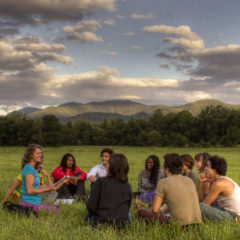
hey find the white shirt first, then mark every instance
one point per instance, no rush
(98, 171)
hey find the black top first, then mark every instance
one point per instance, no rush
(110, 201)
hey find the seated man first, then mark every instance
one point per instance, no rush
(178, 192)
(101, 169)
(223, 200)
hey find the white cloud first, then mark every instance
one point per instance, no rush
(189, 39)
(141, 16)
(109, 53)
(109, 22)
(129, 34)
(85, 37)
(90, 25)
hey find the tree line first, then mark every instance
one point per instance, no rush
(214, 126)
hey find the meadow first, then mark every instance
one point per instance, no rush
(68, 223)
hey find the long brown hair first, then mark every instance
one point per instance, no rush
(29, 152)
(118, 167)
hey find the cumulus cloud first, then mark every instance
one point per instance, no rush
(189, 39)
(109, 22)
(43, 11)
(90, 25)
(23, 53)
(83, 31)
(164, 65)
(85, 37)
(141, 16)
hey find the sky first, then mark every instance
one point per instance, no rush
(168, 52)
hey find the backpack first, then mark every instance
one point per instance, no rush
(18, 209)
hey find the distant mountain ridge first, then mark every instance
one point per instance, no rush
(125, 109)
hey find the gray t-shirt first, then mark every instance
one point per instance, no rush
(180, 195)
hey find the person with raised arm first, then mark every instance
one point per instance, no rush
(101, 169)
(223, 200)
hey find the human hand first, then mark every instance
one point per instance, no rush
(203, 177)
(73, 180)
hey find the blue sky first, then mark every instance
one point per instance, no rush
(150, 51)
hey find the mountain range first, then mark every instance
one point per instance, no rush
(125, 109)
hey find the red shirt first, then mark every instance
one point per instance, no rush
(58, 173)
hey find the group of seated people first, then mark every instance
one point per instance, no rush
(175, 193)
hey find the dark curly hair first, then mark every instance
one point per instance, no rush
(173, 162)
(205, 157)
(219, 164)
(118, 167)
(155, 169)
(29, 152)
(108, 150)
(63, 163)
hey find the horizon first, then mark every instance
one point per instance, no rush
(150, 52)
(112, 100)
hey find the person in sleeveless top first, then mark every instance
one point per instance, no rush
(223, 200)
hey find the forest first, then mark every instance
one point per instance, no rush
(214, 126)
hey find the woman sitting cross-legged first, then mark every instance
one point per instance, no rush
(148, 179)
(74, 187)
(30, 180)
(15, 190)
(111, 196)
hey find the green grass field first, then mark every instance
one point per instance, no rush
(68, 223)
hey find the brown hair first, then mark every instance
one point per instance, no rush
(173, 162)
(204, 157)
(118, 167)
(187, 160)
(29, 152)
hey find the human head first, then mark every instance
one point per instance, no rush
(155, 162)
(187, 161)
(201, 160)
(173, 163)
(118, 167)
(152, 164)
(216, 165)
(105, 155)
(68, 161)
(29, 152)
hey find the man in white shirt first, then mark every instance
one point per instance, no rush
(101, 169)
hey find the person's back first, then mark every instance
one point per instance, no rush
(179, 193)
(115, 201)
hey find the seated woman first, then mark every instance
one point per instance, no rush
(30, 180)
(101, 169)
(201, 163)
(111, 196)
(188, 163)
(15, 191)
(74, 187)
(148, 179)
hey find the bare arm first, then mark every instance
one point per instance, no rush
(213, 193)
(15, 184)
(29, 180)
(157, 203)
(45, 173)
